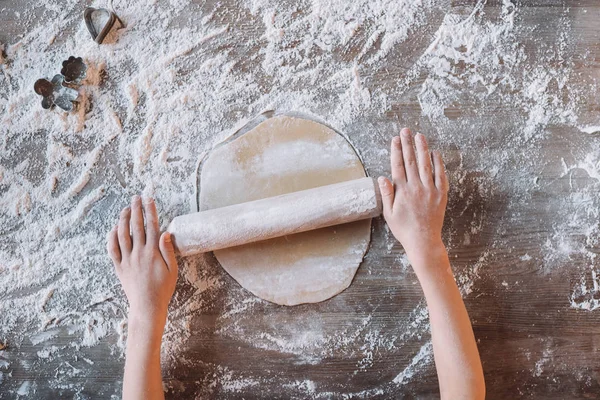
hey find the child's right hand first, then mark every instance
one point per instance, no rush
(414, 205)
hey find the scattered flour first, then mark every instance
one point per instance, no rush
(586, 295)
(424, 355)
(546, 358)
(165, 91)
(591, 129)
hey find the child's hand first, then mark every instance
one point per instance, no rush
(414, 205)
(145, 263)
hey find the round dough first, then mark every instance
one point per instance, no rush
(281, 155)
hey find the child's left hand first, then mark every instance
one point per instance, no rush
(145, 263)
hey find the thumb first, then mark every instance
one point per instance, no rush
(387, 194)
(168, 251)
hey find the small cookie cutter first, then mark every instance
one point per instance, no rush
(73, 69)
(55, 93)
(89, 15)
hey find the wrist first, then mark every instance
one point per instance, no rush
(428, 254)
(431, 262)
(145, 328)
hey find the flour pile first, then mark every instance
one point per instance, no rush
(176, 81)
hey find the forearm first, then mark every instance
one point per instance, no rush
(456, 356)
(142, 379)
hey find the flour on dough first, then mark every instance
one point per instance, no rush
(281, 155)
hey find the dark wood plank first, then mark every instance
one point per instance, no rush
(532, 342)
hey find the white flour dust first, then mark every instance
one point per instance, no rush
(176, 80)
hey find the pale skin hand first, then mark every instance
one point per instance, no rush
(147, 268)
(414, 204)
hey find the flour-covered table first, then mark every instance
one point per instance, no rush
(508, 92)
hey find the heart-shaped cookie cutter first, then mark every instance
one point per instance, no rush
(89, 15)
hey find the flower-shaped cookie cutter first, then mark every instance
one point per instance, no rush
(55, 93)
(73, 69)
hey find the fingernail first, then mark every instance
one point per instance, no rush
(396, 139)
(135, 198)
(147, 200)
(381, 180)
(167, 237)
(405, 132)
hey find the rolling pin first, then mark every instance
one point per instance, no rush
(277, 216)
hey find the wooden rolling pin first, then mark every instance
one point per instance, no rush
(276, 216)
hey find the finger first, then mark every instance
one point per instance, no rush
(398, 174)
(408, 153)
(137, 221)
(441, 179)
(112, 246)
(424, 160)
(387, 194)
(123, 232)
(168, 251)
(152, 230)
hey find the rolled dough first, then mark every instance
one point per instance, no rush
(285, 154)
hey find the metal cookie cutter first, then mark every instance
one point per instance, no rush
(73, 69)
(54, 93)
(99, 22)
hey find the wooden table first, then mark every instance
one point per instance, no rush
(504, 230)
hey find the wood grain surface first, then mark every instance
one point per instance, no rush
(532, 342)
